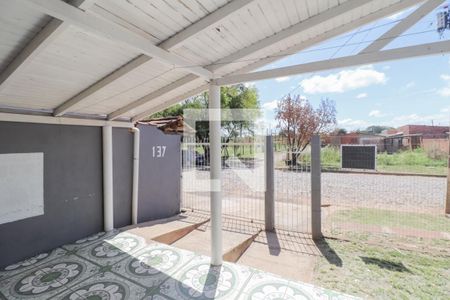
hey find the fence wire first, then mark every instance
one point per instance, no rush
(404, 194)
(242, 177)
(292, 189)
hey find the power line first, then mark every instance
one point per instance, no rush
(337, 50)
(314, 50)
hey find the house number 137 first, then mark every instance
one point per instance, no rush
(159, 151)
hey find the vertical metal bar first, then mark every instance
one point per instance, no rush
(215, 174)
(316, 222)
(447, 201)
(108, 204)
(269, 206)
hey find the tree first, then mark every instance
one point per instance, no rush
(339, 131)
(231, 97)
(177, 109)
(376, 129)
(298, 121)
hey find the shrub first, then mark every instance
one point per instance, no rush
(416, 157)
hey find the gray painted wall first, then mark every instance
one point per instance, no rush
(72, 187)
(122, 175)
(73, 200)
(159, 178)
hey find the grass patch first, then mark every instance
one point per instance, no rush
(391, 218)
(417, 157)
(411, 161)
(415, 161)
(384, 272)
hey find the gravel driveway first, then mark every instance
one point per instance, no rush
(369, 190)
(412, 193)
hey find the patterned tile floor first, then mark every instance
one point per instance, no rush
(120, 265)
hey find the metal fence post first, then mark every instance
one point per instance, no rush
(269, 205)
(447, 201)
(316, 216)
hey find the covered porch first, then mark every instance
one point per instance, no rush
(105, 65)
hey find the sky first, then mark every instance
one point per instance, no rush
(394, 93)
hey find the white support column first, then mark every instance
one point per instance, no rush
(135, 192)
(108, 204)
(215, 174)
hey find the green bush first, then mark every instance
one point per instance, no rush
(330, 156)
(408, 161)
(417, 157)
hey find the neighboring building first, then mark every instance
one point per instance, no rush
(405, 137)
(415, 136)
(355, 138)
(400, 141)
(426, 131)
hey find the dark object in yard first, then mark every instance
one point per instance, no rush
(385, 264)
(358, 157)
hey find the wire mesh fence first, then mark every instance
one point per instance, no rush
(374, 190)
(292, 188)
(401, 191)
(242, 177)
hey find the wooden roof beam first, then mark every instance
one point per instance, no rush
(171, 43)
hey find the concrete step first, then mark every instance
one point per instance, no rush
(233, 254)
(199, 241)
(165, 231)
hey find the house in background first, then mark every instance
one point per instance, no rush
(355, 138)
(408, 137)
(416, 136)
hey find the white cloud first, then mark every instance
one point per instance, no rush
(361, 96)
(387, 67)
(445, 91)
(409, 85)
(416, 119)
(271, 105)
(249, 84)
(343, 81)
(284, 78)
(376, 113)
(446, 109)
(352, 124)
